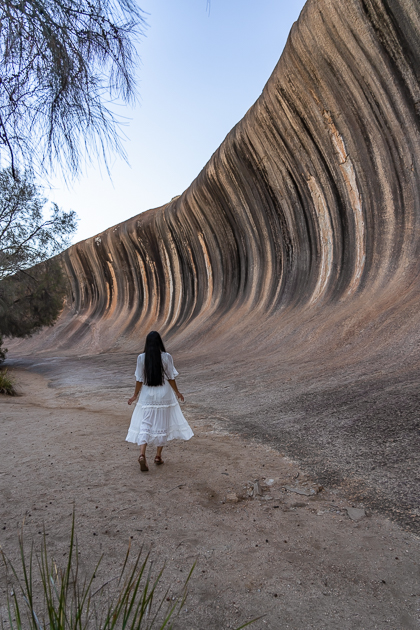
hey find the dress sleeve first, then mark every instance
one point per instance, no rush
(170, 370)
(139, 373)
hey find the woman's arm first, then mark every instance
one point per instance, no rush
(173, 384)
(136, 393)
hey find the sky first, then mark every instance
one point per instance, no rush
(201, 68)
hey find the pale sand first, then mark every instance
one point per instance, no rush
(303, 564)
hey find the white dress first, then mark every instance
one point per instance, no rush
(157, 417)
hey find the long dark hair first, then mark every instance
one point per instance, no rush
(153, 367)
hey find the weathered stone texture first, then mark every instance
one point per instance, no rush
(310, 207)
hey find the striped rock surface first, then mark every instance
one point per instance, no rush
(309, 208)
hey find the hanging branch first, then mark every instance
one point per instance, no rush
(63, 67)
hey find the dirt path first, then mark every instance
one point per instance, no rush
(298, 559)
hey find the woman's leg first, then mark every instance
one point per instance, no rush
(158, 458)
(142, 458)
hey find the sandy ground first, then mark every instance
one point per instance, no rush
(297, 559)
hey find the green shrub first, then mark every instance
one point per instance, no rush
(3, 351)
(32, 299)
(7, 383)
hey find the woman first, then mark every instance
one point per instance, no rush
(157, 417)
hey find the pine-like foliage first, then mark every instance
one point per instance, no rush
(27, 236)
(62, 63)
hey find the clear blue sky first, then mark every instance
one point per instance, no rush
(199, 74)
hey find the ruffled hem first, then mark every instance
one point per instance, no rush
(158, 406)
(159, 438)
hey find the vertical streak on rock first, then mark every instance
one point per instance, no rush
(112, 303)
(207, 301)
(168, 285)
(176, 282)
(325, 239)
(349, 176)
(145, 305)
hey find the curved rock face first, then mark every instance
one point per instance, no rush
(312, 200)
(289, 268)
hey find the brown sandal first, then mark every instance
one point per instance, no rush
(158, 460)
(143, 464)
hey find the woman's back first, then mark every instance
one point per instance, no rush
(169, 371)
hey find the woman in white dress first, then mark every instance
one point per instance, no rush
(157, 417)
